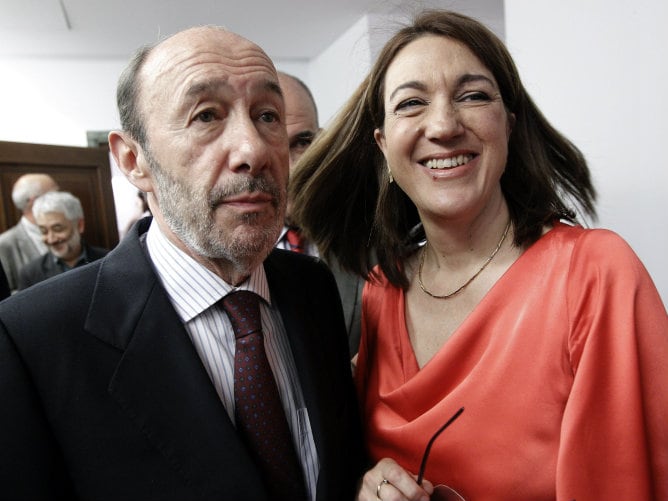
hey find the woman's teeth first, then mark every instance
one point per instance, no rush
(448, 163)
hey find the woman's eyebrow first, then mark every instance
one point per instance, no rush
(474, 77)
(413, 84)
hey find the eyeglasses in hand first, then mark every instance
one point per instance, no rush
(441, 492)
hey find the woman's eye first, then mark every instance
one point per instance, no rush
(474, 96)
(408, 103)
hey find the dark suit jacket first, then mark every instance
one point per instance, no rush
(4, 285)
(45, 266)
(105, 398)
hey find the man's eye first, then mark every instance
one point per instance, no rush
(206, 116)
(301, 143)
(269, 117)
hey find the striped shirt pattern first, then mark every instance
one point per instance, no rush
(194, 291)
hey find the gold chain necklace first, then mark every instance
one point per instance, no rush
(489, 259)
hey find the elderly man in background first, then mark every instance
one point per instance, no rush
(301, 121)
(60, 218)
(22, 242)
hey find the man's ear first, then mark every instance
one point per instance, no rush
(126, 152)
(80, 225)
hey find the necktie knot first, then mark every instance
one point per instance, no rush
(243, 309)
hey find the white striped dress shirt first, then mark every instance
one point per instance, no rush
(194, 291)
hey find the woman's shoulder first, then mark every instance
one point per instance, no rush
(593, 242)
(379, 292)
(601, 256)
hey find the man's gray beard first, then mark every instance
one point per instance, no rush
(196, 228)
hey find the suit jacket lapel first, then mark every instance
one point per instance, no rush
(302, 331)
(160, 381)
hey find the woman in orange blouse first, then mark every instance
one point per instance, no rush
(487, 296)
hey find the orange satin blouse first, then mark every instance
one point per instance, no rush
(562, 370)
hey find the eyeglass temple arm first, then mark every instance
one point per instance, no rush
(423, 465)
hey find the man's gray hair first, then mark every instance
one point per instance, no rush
(59, 201)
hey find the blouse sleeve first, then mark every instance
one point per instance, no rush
(614, 440)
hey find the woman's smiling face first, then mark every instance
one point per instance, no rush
(445, 133)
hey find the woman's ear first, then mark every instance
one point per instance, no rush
(127, 152)
(379, 136)
(511, 123)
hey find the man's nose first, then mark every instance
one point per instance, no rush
(248, 148)
(52, 237)
(49, 237)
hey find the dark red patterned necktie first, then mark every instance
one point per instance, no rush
(259, 414)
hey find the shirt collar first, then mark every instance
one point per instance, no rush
(191, 287)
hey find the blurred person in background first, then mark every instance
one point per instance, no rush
(22, 243)
(60, 218)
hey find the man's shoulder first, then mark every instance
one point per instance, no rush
(94, 252)
(63, 292)
(8, 236)
(295, 261)
(36, 264)
(301, 271)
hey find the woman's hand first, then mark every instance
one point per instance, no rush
(388, 481)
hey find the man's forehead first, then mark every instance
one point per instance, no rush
(187, 60)
(299, 104)
(50, 216)
(259, 84)
(206, 44)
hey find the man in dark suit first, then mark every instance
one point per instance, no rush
(60, 218)
(116, 378)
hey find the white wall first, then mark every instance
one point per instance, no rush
(598, 70)
(55, 101)
(335, 73)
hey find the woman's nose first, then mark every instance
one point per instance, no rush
(443, 122)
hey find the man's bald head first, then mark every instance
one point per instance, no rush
(27, 188)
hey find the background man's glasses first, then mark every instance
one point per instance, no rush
(441, 492)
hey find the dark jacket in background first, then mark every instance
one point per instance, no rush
(4, 285)
(46, 266)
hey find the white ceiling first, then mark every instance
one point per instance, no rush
(286, 29)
